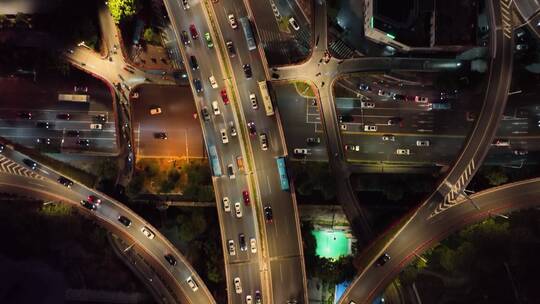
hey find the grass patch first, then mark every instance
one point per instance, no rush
(304, 89)
(283, 25)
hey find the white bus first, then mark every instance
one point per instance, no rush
(268, 107)
(74, 97)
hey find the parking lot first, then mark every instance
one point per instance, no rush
(32, 114)
(172, 131)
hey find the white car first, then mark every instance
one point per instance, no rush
(253, 100)
(231, 247)
(237, 285)
(263, 139)
(155, 111)
(421, 99)
(147, 232)
(253, 245)
(370, 128)
(213, 82)
(192, 284)
(238, 209)
(422, 143)
(352, 147)
(388, 137)
(403, 152)
(185, 4)
(232, 21)
(96, 126)
(249, 299)
(294, 24)
(367, 105)
(215, 107)
(226, 204)
(224, 137)
(299, 151)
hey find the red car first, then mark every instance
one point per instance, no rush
(94, 200)
(245, 196)
(193, 31)
(224, 96)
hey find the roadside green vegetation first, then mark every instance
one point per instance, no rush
(304, 89)
(313, 181)
(122, 9)
(151, 36)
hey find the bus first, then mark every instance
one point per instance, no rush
(283, 179)
(268, 107)
(214, 160)
(74, 97)
(248, 32)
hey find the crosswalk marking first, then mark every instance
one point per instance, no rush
(11, 167)
(506, 14)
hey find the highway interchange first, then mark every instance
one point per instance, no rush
(276, 268)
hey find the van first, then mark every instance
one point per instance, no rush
(215, 108)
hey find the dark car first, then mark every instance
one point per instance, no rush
(258, 297)
(43, 141)
(268, 215)
(124, 220)
(88, 205)
(345, 118)
(63, 116)
(242, 242)
(30, 163)
(100, 118)
(198, 85)
(364, 87)
(25, 115)
(193, 31)
(400, 97)
(252, 129)
(1, 148)
(245, 197)
(395, 121)
(65, 181)
(205, 114)
(185, 38)
(160, 135)
(170, 258)
(43, 124)
(193, 62)
(230, 48)
(313, 141)
(83, 142)
(383, 259)
(73, 133)
(247, 71)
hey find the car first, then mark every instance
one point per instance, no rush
(242, 242)
(80, 89)
(1, 148)
(147, 232)
(73, 133)
(124, 220)
(253, 100)
(313, 141)
(185, 4)
(226, 204)
(224, 137)
(370, 128)
(193, 31)
(30, 163)
(520, 152)
(385, 257)
(253, 245)
(213, 82)
(395, 121)
(230, 48)
(230, 171)
(170, 258)
(208, 39)
(403, 151)
(501, 142)
(301, 152)
(96, 126)
(101, 118)
(63, 116)
(245, 197)
(25, 115)
(423, 143)
(232, 129)
(232, 21)
(215, 108)
(294, 24)
(205, 114)
(238, 209)
(43, 140)
(352, 148)
(258, 297)
(65, 181)
(231, 247)
(263, 139)
(160, 135)
(88, 206)
(382, 93)
(522, 47)
(193, 63)
(224, 96)
(240, 163)
(237, 285)
(185, 38)
(398, 97)
(364, 87)
(94, 200)
(268, 215)
(83, 142)
(43, 124)
(247, 70)
(388, 137)
(249, 299)
(155, 110)
(252, 128)
(198, 85)
(421, 99)
(367, 105)
(345, 118)
(192, 284)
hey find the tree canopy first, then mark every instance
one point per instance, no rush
(121, 9)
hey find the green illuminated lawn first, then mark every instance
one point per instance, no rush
(331, 244)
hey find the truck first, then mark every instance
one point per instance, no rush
(440, 106)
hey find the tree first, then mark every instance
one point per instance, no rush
(496, 176)
(191, 226)
(135, 185)
(107, 169)
(122, 9)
